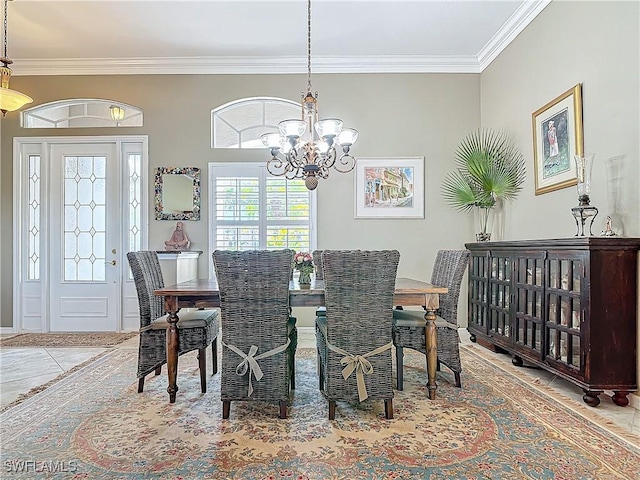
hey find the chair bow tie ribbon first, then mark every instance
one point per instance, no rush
(357, 363)
(250, 361)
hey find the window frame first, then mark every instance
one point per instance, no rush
(250, 169)
(218, 117)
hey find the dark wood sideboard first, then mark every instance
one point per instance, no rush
(566, 305)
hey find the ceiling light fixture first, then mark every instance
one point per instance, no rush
(10, 100)
(117, 113)
(307, 148)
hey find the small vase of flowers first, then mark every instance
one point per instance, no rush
(303, 262)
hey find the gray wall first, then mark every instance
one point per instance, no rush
(396, 115)
(593, 43)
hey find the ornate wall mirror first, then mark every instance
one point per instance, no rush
(177, 193)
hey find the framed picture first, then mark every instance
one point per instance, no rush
(390, 187)
(557, 137)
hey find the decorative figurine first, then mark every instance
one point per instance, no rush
(178, 241)
(608, 232)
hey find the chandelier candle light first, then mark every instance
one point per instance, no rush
(306, 148)
(10, 100)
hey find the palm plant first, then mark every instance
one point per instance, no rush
(489, 168)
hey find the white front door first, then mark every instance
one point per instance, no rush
(85, 232)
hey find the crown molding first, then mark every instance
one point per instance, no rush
(525, 13)
(522, 17)
(245, 65)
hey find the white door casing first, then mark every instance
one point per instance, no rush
(94, 209)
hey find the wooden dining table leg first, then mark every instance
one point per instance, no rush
(172, 346)
(431, 344)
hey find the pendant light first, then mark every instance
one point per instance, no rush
(10, 100)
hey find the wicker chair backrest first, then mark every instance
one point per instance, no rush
(254, 296)
(359, 289)
(317, 261)
(448, 270)
(147, 276)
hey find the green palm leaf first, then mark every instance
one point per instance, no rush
(488, 167)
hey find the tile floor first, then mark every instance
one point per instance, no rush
(21, 369)
(628, 418)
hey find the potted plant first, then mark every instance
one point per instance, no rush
(490, 168)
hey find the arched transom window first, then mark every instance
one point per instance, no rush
(240, 123)
(81, 112)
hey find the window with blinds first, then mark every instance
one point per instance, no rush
(253, 210)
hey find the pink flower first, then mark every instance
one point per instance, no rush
(303, 262)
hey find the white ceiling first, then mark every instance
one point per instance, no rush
(74, 37)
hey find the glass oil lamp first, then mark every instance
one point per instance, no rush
(584, 211)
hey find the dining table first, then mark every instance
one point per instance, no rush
(205, 293)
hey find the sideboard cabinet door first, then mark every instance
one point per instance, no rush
(500, 273)
(564, 312)
(528, 318)
(478, 298)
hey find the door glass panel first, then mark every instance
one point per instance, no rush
(576, 351)
(85, 217)
(33, 230)
(70, 270)
(564, 272)
(84, 226)
(564, 346)
(70, 191)
(553, 308)
(553, 273)
(135, 201)
(575, 314)
(577, 274)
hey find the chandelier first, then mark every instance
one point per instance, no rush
(10, 100)
(306, 148)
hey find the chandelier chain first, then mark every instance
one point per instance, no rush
(308, 45)
(5, 28)
(306, 148)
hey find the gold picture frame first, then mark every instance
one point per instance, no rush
(557, 137)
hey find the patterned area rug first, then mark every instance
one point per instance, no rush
(66, 339)
(93, 425)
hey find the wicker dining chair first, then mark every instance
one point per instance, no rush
(408, 326)
(259, 338)
(350, 340)
(317, 261)
(197, 329)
